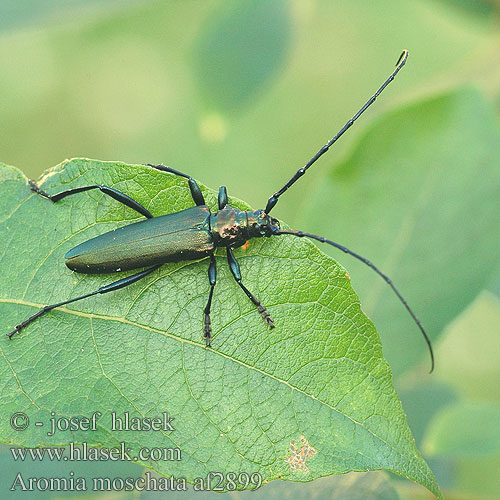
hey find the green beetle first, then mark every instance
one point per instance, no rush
(193, 234)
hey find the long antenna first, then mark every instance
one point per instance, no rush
(380, 273)
(301, 171)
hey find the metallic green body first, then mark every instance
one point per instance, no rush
(184, 235)
(232, 227)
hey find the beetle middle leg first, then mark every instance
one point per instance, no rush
(212, 277)
(196, 193)
(104, 289)
(235, 269)
(114, 193)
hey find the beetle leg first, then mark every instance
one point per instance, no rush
(212, 277)
(104, 289)
(235, 269)
(222, 197)
(114, 193)
(193, 186)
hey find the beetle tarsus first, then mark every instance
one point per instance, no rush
(266, 316)
(270, 323)
(207, 333)
(262, 310)
(26, 322)
(17, 329)
(37, 190)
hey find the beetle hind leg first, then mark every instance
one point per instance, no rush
(235, 269)
(114, 193)
(104, 289)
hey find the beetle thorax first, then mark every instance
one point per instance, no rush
(232, 227)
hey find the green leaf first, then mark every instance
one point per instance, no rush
(418, 196)
(54, 469)
(422, 398)
(465, 434)
(240, 49)
(354, 486)
(19, 15)
(318, 378)
(469, 351)
(464, 430)
(375, 485)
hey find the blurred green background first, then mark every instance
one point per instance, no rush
(243, 93)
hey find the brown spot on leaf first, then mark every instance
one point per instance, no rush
(297, 458)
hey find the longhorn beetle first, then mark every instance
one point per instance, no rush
(192, 234)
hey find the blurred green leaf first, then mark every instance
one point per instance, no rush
(418, 196)
(375, 485)
(240, 49)
(319, 376)
(52, 469)
(478, 477)
(423, 397)
(464, 430)
(463, 435)
(353, 486)
(123, 82)
(423, 400)
(470, 349)
(478, 8)
(14, 13)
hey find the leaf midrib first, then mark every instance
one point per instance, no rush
(196, 344)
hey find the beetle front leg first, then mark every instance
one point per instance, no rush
(212, 277)
(222, 197)
(235, 269)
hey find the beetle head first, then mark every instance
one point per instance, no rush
(260, 224)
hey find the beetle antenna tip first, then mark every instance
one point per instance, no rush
(404, 55)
